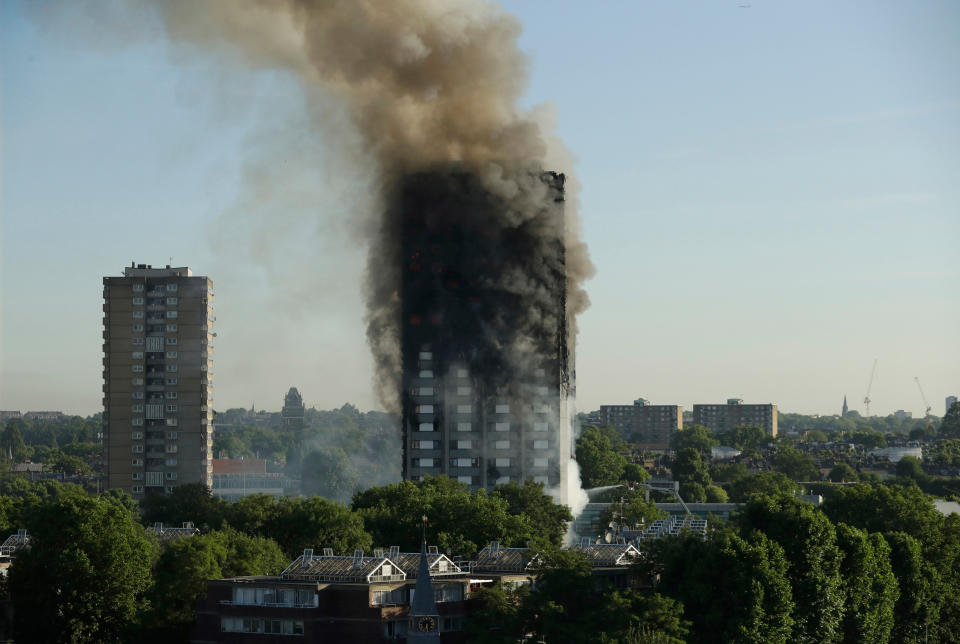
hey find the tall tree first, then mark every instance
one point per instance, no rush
(600, 463)
(809, 542)
(529, 499)
(921, 590)
(871, 588)
(696, 437)
(85, 575)
(950, 425)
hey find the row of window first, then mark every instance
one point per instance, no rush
(171, 287)
(169, 449)
(138, 489)
(470, 444)
(169, 422)
(138, 328)
(138, 462)
(466, 427)
(138, 301)
(139, 436)
(261, 625)
(139, 315)
(170, 476)
(138, 355)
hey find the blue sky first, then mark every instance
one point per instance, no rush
(771, 197)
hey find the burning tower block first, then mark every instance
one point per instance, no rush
(487, 371)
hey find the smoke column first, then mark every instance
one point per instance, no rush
(429, 85)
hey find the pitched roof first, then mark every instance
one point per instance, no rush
(358, 569)
(494, 558)
(15, 542)
(439, 564)
(609, 554)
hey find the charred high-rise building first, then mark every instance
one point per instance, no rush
(487, 370)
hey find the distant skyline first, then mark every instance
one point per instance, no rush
(769, 195)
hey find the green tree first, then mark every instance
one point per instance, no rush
(687, 466)
(635, 473)
(529, 500)
(631, 615)
(795, 464)
(762, 483)
(921, 593)
(809, 542)
(192, 502)
(85, 575)
(871, 586)
(842, 473)
(950, 425)
(744, 437)
(815, 436)
(11, 442)
(458, 520)
(716, 494)
(600, 464)
(185, 566)
(696, 437)
(729, 472)
(69, 464)
(732, 589)
(910, 467)
(329, 473)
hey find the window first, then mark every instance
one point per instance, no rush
(137, 409)
(464, 444)
(465, 479)
(137, 489)
(171, 436)
(137, 449)
(137, 288)
(171, 408)
(172, 354)
(168, 489)
(448, 593)
(464, 427)
(383, 597)
(171, 340)
(137, 476)
(461, 373)
(464, 462)
(137, 355)
(172, 422)
(543, 409)
(171, 476)
(137, 315)
(137, 462)
(425, 391)
(171, 462)
(137, 328)
(541, 444)
(424, 409)
(136, 381)
(171, 381)
(463, 391)
(171, 300)
(171, 367)
(138, 301)
(463, 409)
(501, 444)
(539, 373)
(172, 287)
(155, 343)
(426, 373)
(136, 341)
(154, 411)
(502, 462)
(502, 427)
(171, 449)
(137, 368)
(170, 315)
(539, 462)
(426, 427)
(426, 444)
(171, 395)
(503, 409)
(539, 427)
(427, 462)
(136, 422)
(426, 355)
(137, 395)
(137, 436)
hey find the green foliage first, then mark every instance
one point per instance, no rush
(529, 500)
(11, 442)
(688, 467)
(872, 590)
(716, 494)
(600, 463)
(85, 575)
(634, 473)
(842, 473)
(732, 589)
(69, 464)
(635, 509)
(695, 437)
(729, 472)
(329, 473)
(458, 520)
(921, 593)
(631, 616)
(744, 437)
(815, 436)
(295, 524)
(910, 467)
(186, 564)
(795, 464)
(944, 453)
(810, 545)
(950, 425)
(192, 502)
(762, 483)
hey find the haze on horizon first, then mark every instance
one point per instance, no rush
(769, 196)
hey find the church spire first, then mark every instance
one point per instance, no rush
(423, 625)
(845, 408)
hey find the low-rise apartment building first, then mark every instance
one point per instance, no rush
(720, 418)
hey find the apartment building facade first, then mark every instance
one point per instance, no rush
(652, 426)
(157, 379)
(723, 417)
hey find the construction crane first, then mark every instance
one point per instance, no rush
(866, 399)
(926, 418)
